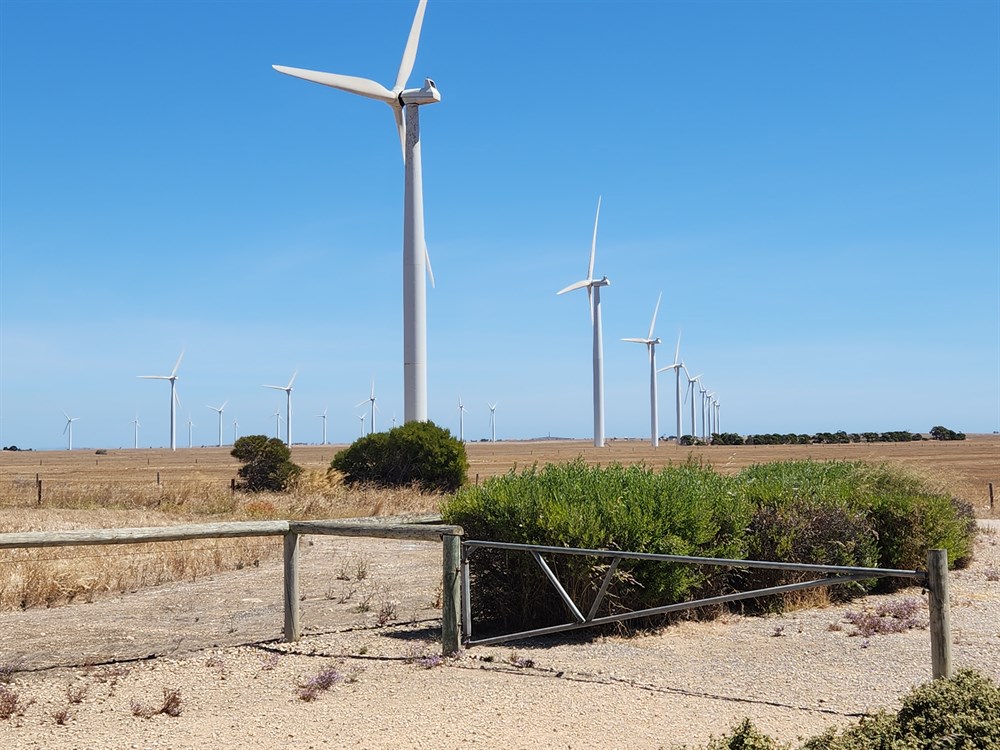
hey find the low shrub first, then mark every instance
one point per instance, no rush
(267, 464)
(417, 453)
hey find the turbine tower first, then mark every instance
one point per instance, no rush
(323, 417)
(692, 382)
(277, 424)
(650, 342)
(288, 407)
(236, 430)
(174, 401)
(219, 409)
(493, 422)
(190, 425)
(415, 263)
(362, 418)
(371, 400)
(593, 287)
(676, 367)
(68, 429)
(461, 420)
(135, 429)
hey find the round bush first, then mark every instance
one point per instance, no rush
(418, 453)
(267, 464)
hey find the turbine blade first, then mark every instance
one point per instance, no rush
(397, 113)
(174, 371)
(410, 53)
(677, 351)
(590, 300)
(276, 387)
(350, 84)
(361, 403)
(427, 261)
(154, 377)
(577, 285)
(289, 386)
(637, 341)
(593, 243)
(655, 310)
(223, 404)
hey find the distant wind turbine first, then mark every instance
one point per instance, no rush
(593, 287)
(362, 418)
(461, 420)
(68, 429)
(677, 366)
(174, 400)
(236, 430)
(288, 406)
(219, 409)
(323, 417)
(371, 400)
(692, 382)
(651, 343)
(493, 422)
(277, 424)
(135, 429)
(415, 261)
(190, 425)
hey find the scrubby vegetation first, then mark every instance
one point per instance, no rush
(959, 713)
(267, 464)
(417, 453)
(835, 513)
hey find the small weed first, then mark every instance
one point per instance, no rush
(216, 662)
(9, 669)
(269, 661)
(11, 704)
(896, 616)
(386, 612)
(992, 574)
(515, 660)
(834, 627)
(63, 716)
(779, 630)
(76, 693)
(420, 656)
(171, 705)
(321, 682)
(354, 568)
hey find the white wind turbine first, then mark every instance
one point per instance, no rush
(323, 417)
(190, 425)
(493, 422)
(692, 382)
(593, 287)
(371, 400)
(415, 261)
(236, 429)
(288, 406)
(174, 400)
(677, 366)
(135, 429)
(277, 424)
(362, 418)
(68, 429)
(650, 342)
(461, 420)
(219, 409)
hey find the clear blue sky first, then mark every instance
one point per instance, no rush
(814, 187)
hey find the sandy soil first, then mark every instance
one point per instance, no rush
(215, 641)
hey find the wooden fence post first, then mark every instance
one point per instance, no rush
(292, 625)
(940, 613)
(451, 596)
(38, 482)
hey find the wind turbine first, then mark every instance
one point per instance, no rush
(415, 260)
(370, 399)
(277, 424)
(461, 420)
(219, 409)
(493, 422)
(69, 429)
(190, 425)
(135, 428)
(593, 287)
(236, 430)
(691, 391)
(650, 342)
(362, 418)
(323, 417)
(288, 407)
(174, 401)
(676, 367)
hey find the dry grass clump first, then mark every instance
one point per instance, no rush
(62, 575)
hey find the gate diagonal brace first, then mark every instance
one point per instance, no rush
(577, 615)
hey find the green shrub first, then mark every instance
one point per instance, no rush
(745, 736)
(267, 464)
(682, 510)
(418, 453)
(961, 713)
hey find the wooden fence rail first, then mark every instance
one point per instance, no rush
(291, 531)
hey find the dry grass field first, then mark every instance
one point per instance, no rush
(127, 488)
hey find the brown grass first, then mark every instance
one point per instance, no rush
(159, 487)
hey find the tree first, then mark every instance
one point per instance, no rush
(943, 433)
(267, 464)
(416, 453)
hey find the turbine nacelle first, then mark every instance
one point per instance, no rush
(428, 94)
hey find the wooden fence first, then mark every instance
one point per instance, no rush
(450, 536)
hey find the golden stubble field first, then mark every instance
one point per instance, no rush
(964, 467)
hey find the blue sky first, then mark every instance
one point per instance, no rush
(814, 187)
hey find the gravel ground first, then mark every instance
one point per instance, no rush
(793, 674)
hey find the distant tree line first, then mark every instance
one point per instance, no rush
(824, 438)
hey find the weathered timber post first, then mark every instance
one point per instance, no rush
(38, 482)
(292, 626)
(451, 596)
(940, 613)
(991, 495)
(232, 486)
